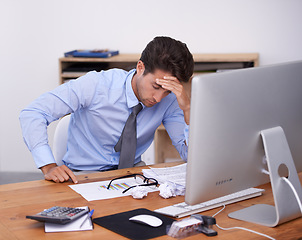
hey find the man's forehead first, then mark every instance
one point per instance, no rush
(161, 73)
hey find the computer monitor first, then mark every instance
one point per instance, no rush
(234, 116)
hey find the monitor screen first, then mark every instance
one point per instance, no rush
(228, 112)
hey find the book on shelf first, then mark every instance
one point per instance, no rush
(97, 53)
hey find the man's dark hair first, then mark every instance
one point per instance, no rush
(169, 55)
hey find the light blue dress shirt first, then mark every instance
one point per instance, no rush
(99, 103)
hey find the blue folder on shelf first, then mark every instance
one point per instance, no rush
(91, 53)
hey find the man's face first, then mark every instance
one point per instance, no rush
(147, 90)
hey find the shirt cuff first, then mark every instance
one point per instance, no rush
(186, 132)
(43, 156)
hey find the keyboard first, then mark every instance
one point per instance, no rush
(182, 209)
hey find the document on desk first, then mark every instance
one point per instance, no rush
(98, 190)
(175, 175)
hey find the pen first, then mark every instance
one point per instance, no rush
(88, 216)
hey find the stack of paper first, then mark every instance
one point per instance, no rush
(175, 175)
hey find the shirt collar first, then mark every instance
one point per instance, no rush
(130, 95)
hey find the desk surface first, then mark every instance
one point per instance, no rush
(20, 199)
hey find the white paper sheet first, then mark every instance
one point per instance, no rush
(98, 190)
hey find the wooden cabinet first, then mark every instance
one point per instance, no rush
(71, 68)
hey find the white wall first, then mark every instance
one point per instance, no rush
(35, 33)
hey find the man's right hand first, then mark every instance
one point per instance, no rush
(53, 172)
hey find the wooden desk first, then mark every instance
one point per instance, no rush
(20, 199)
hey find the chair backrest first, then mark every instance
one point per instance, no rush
(60, 139)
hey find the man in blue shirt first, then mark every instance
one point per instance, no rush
(100, 103)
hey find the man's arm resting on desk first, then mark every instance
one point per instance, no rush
(45, 161)
(53, 172)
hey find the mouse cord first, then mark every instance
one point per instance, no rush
(240, 228)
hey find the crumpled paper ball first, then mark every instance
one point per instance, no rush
(167, 190)
(139, 192)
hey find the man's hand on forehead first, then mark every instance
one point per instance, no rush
(172, 84)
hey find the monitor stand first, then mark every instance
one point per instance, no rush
(286, 206)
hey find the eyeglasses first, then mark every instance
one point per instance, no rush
(146, 181)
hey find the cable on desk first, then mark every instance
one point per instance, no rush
(240, 228)
(294, 191)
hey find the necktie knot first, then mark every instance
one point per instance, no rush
(137, 109)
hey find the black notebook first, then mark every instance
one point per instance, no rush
(120, 224)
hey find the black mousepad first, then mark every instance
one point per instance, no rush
(120, 224)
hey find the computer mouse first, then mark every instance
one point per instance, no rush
(147, 220)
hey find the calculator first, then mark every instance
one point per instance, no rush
(61, 215)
